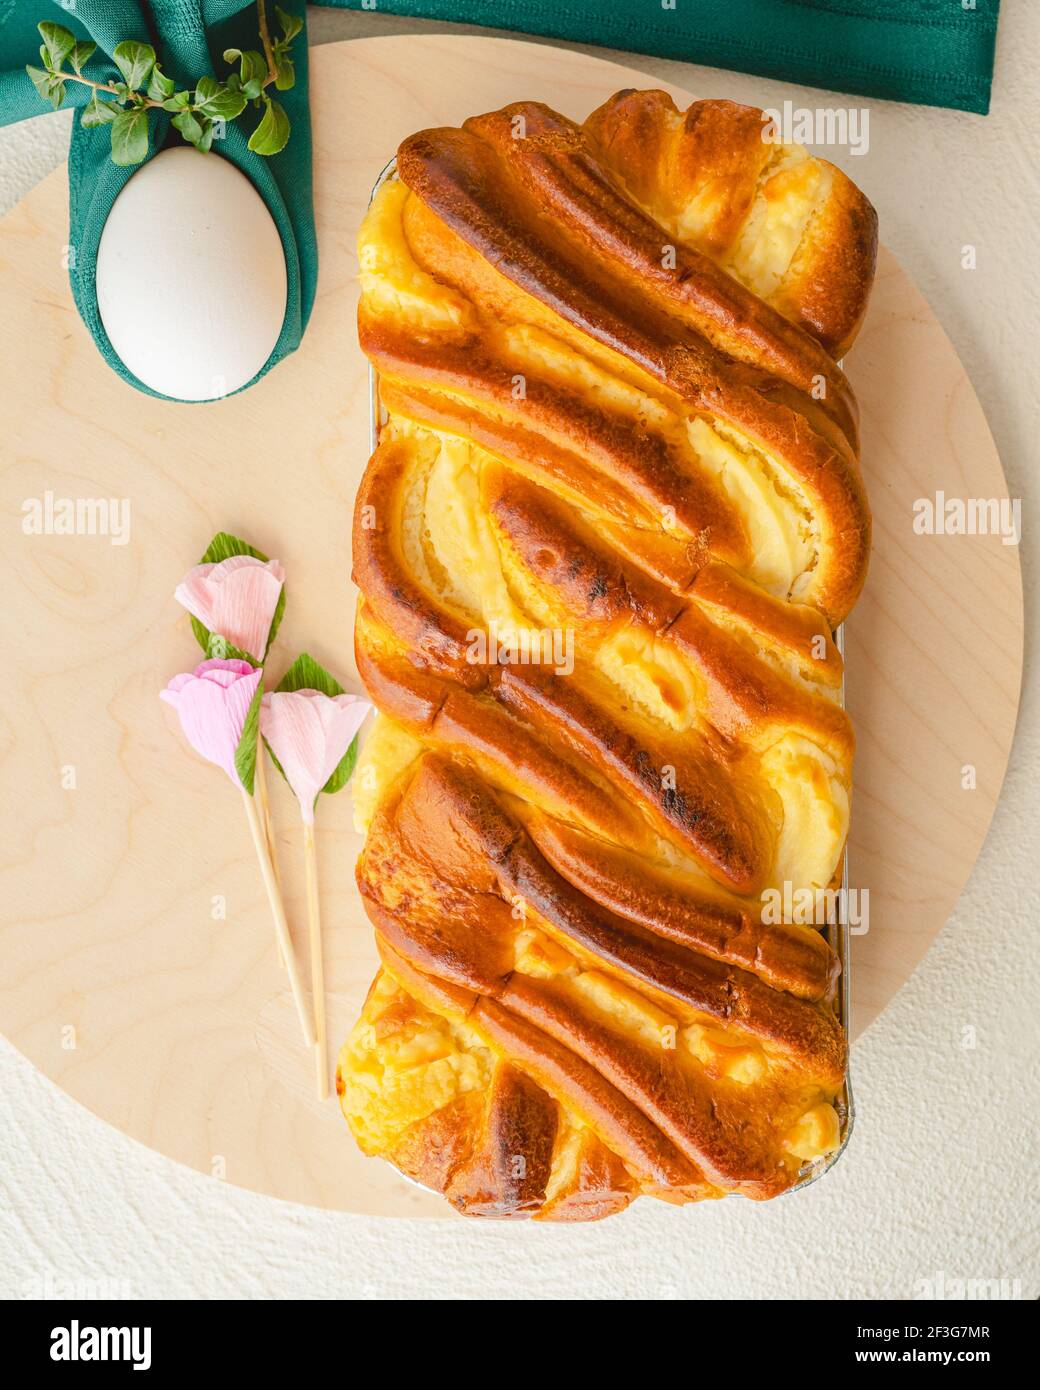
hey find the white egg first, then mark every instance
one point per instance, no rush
(191, 276)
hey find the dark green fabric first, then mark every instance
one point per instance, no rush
(189, 37)
(933, 52)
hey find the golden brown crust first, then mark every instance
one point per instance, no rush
(714, 153)
(483, 182)
(786, 956)
(443, 870)
(614, 417)
(471, 232)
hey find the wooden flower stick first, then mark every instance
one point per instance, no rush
(311, 726)
(281, 926)
(265, 816)
(317, 960)
(218, 705)
(236, 598)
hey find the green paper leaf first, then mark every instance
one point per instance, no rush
(222, 547)
(215, 100)
(271, 134)
(98, 112)
(245, 753)
(160, 87)
(344, 769)
(130, 137)
(81, 52)
(291, 24)
(216, 646)
(58, 43)
(307, 674)
(135, 61)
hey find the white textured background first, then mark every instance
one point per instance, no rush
(940, 1178)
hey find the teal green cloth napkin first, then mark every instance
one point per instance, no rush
(189, 37)
(933, 52)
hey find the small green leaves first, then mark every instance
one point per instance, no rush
(286, 74)
(41, 80)
(213, 101)
(80, 54)
(252, 72)
(217, 101)
(143, 87)
(58, 43)
(291, 24)
(189, 127)
(130, 136)
(98, 112)
(285, 71)
(160, 87)
(48, 84)
(272, 133)
(135, 61)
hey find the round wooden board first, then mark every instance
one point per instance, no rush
(121, 980)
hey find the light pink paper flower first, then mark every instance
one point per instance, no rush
(309, 734)
(235, 598)
(212, 703)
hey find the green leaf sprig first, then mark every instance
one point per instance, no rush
(126, 106)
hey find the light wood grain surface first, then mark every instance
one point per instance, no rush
(119, 981)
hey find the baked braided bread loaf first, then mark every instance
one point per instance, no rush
(614, 515)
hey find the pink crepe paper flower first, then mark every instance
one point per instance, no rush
(309, 733)
(235, 599)
(212, 703)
